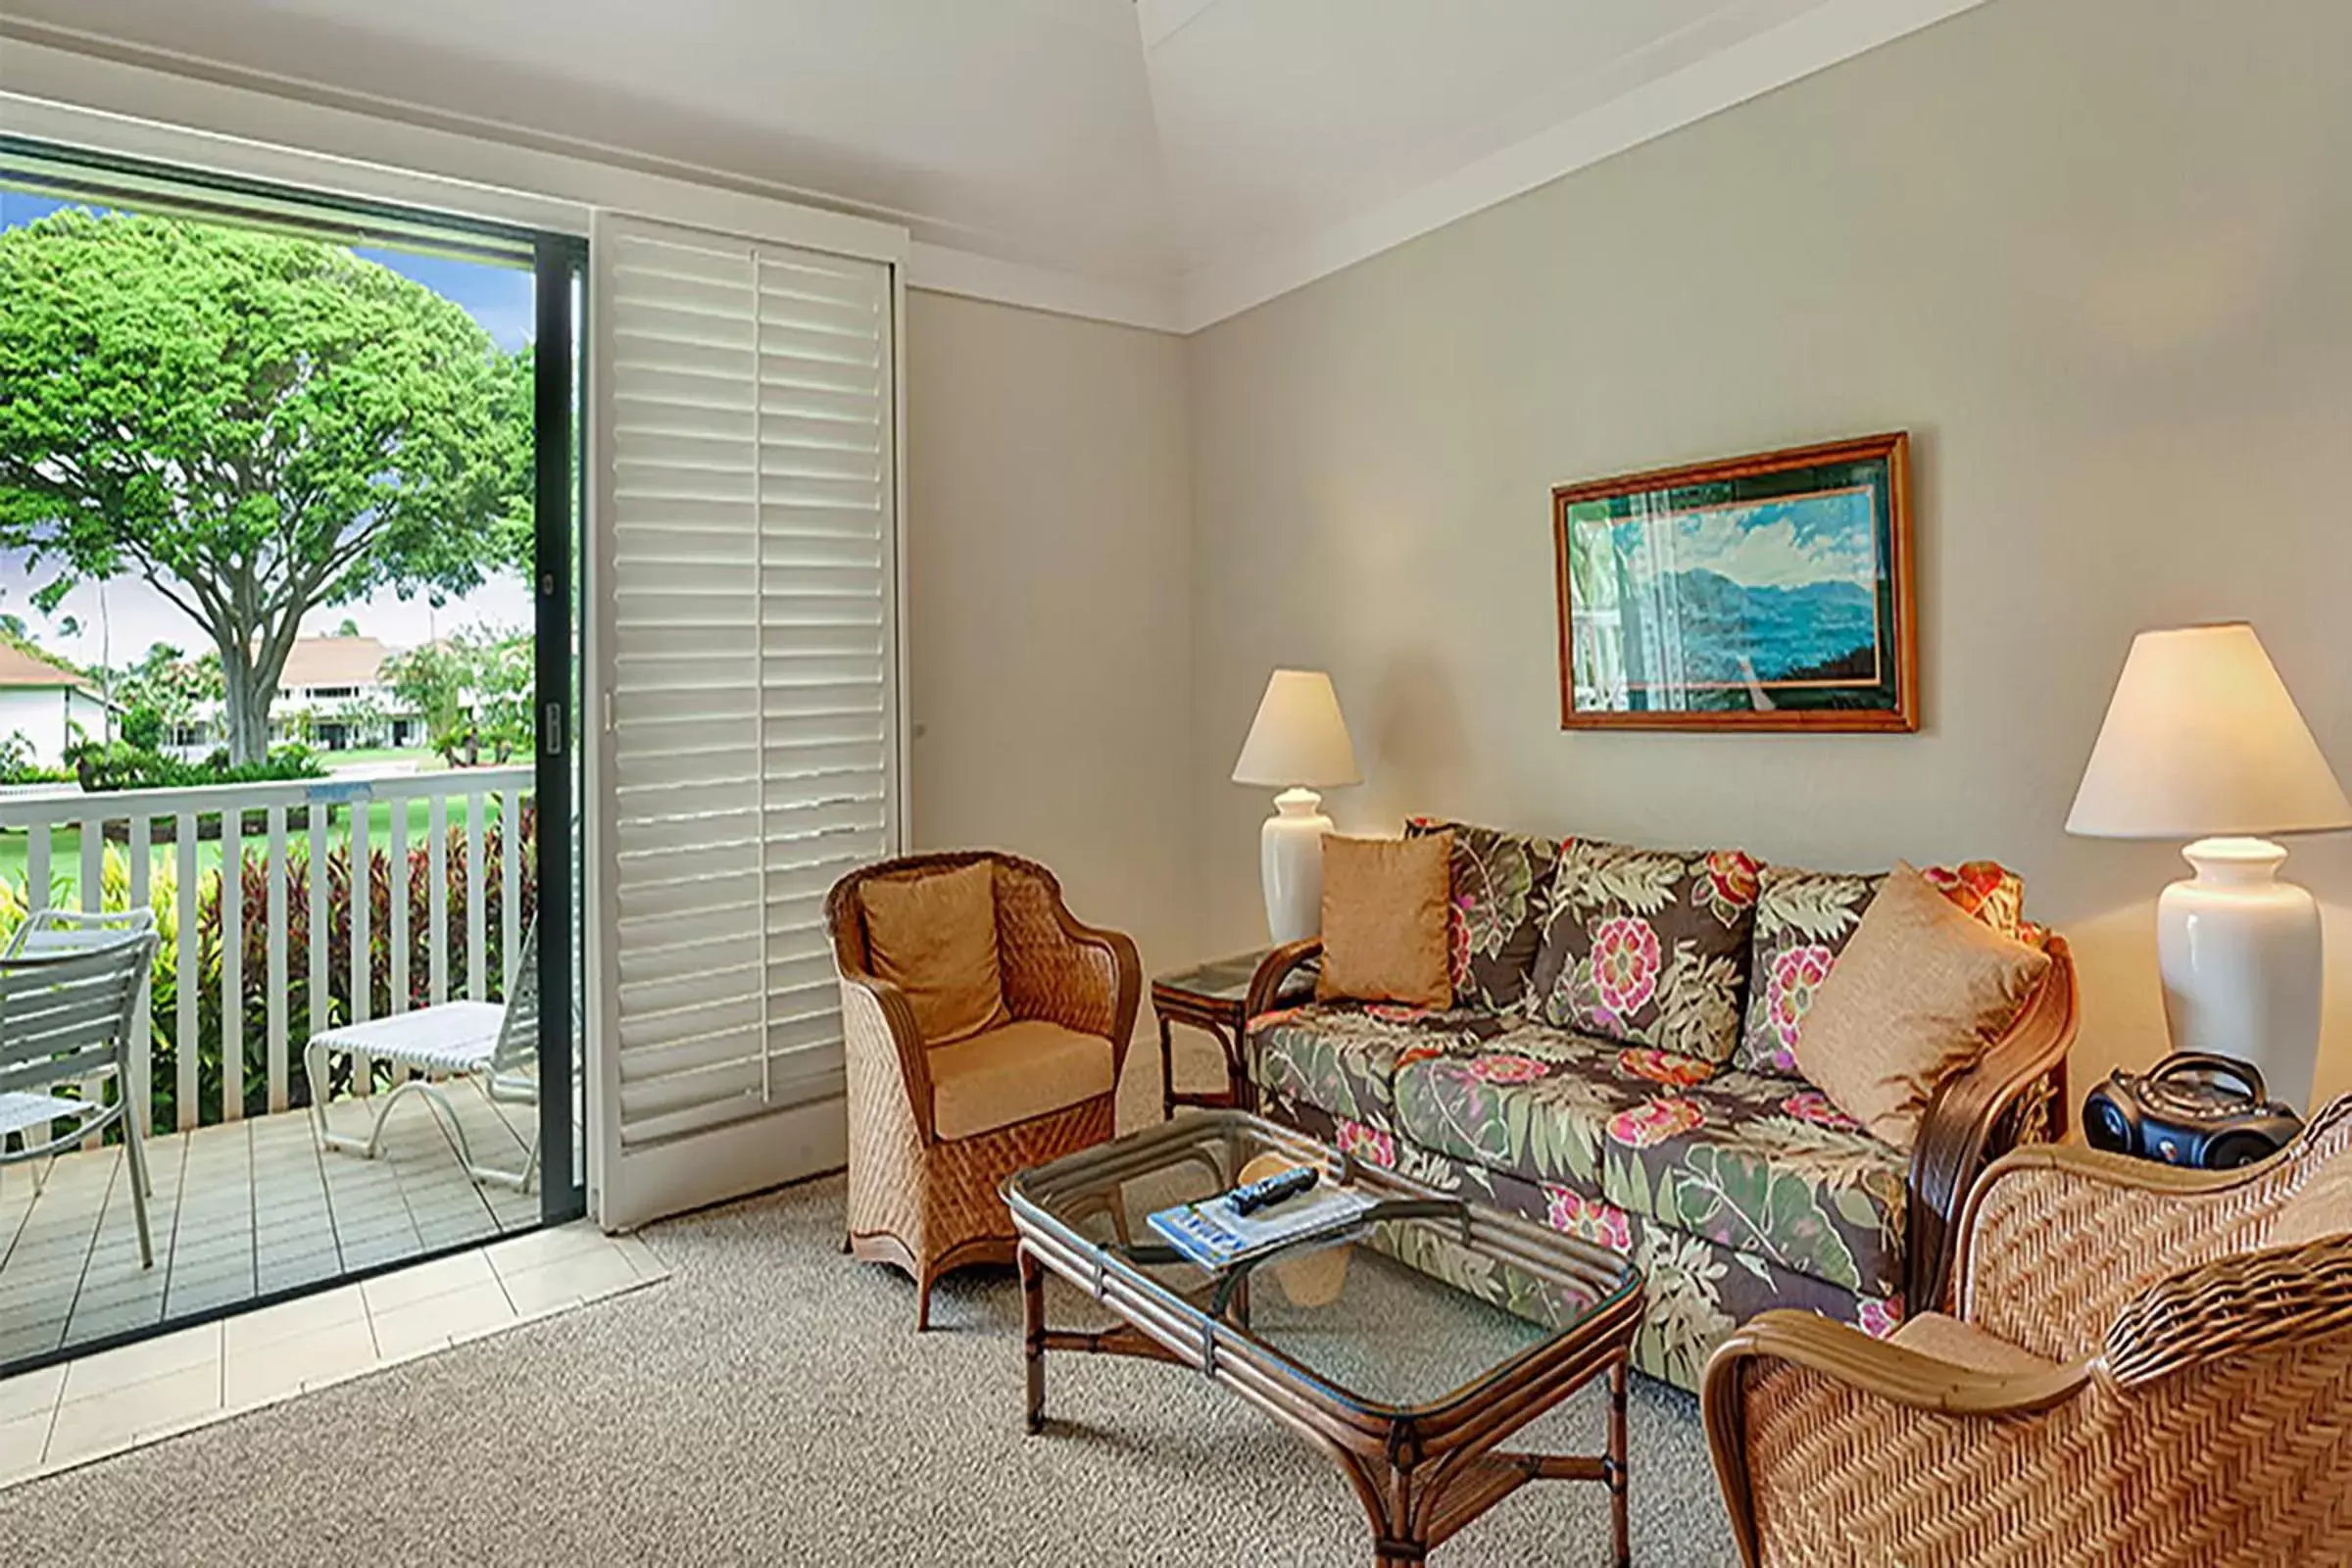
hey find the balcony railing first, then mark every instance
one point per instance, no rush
(293, 951)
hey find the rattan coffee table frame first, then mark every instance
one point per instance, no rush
(1421, 1472)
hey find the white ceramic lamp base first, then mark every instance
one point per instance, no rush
(2240, 952)
(1290, 860)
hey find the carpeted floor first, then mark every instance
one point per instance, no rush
(772, 1404)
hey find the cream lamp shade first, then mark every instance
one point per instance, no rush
(2203, 739)
(1297, 743)
(2203, 742)
(1298, 740)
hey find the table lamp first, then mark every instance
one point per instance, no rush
(1297, 743)
(2203, 742)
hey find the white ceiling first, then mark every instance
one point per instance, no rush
(1186, 158)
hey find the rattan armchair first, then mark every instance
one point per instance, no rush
(2137, 1376)
(928, 1202)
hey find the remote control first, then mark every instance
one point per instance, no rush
(1274, 1189)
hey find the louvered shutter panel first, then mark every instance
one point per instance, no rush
(746, 416)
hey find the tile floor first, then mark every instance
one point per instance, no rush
(242, 1209)
(78, 1410)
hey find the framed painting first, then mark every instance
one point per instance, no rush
(1763, 593)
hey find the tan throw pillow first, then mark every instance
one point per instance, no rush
(1918, 992)
(1384, 920)
(935, 938)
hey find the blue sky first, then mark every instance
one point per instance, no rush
(1830, 537)
(117, 622)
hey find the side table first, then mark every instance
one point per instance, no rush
(1213, 999)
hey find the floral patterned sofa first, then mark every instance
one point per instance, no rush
(1618, 1063)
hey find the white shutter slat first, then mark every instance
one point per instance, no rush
(647, 904)
(746, 422)
(655, 1069)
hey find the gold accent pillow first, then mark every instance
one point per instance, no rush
(1385, 905)
(1920, 990)
(935, 938)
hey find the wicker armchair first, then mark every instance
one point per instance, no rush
(929, 1203)
(2138, 1375)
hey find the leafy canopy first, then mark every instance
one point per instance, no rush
(473, 690)
(256, 423)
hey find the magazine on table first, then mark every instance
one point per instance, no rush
(1215, 1235)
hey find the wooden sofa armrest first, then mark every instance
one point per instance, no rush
(1785, 1376)
(2056, 1241)
(1275, 968)
(1979, 1114)
(877, 1023)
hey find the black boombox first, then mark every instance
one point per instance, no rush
(2197, 1109)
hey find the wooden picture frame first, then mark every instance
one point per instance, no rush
(1770, 593)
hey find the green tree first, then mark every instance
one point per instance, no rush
(474, 691)
(168, 682)
(255, 424)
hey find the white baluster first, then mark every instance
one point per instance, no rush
(363, 1002)
(510, 889)
(477, 959)
(436, 897)
(93, 865)
(142, 1061)
(36, 868)
(232, 963)
(363, 912)
(398, 912)
(317, 812)
(92, 896)
(184, 1047)
(274, 873)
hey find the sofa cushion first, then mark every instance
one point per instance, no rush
(1495, 924)
(1385, 909)
(1803, 922)
(1768, 1166)
(1696, 1290)
(1009, 1074)
(1342, 1056)
(1919, 991)
(1532, 1101)
(1649, 947)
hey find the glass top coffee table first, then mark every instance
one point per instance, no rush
(1410, 1383)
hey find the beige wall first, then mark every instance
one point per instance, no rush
(1050, 664)
(2095, 256)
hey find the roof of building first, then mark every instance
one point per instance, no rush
(20, 669)
(333, 662)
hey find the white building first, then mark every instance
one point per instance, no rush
(47, 705)
(333, 694)
(338, 686)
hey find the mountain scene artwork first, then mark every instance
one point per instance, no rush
(1767, 592)
(1776, 592)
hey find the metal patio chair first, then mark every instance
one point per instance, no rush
(49, 931)
(70, 987)
(497, 1047)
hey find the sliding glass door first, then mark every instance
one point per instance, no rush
(290, 493)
